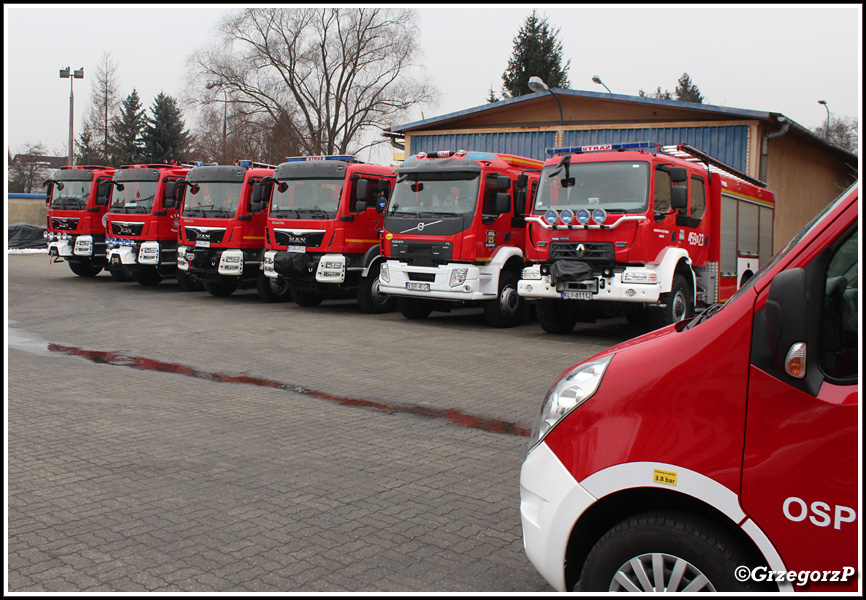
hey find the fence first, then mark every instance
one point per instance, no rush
(27, 208)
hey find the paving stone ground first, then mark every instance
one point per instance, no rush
(168, 441)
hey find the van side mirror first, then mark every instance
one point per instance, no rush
(503, 182)
(678, 174)
(679, 197)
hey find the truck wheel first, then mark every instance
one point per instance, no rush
(506, 310)
(189, 283)
(678, 305)
(306, 298)
(666, 551)
(272, 289)
(84, 269)
(148, 277)
(556, 316)
(219, 289)
(415, 309)
(370, 299)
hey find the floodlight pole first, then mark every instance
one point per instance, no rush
(68, 73)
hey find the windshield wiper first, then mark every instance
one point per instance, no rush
(281, 212)
(324, 214)
(706, 314)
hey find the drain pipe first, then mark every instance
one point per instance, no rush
(765, 143)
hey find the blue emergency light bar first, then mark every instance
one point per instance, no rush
(601, 148)
(344, 157)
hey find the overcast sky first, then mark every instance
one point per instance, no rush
(778, 58)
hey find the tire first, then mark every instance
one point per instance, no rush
(557, 316)
(370, 299)
(653, 543)
(189, 283)
(306, 298)
(507, 309)
(147, 276)
(84, 269)
(678, 303)
(414, 309)
(220, 289)
(272, 289)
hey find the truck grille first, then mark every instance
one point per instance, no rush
(585, 251)
(215, 236)
(308, 240)
(64, 224)
(133, 229)
(424, 254)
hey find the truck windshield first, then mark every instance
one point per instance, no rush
(136, 197)
(307, 198)
(434, 194)
(212, 199)
(73, 196)
(614, 186)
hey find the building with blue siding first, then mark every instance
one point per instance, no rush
(803, 170)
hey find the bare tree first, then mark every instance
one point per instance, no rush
(104, 107)
(28, 169)
(842, 132)
(326, 75)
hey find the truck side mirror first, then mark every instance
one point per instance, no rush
(503, 182)
(679, 197)
(168, 196)
(103, 191)
(678, 174)
(360, 206)
(258, 198)
(361, 191)
(503, 202)
(522, 181)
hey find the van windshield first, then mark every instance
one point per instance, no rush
(307, 198)
(136, 197)
(614, 186)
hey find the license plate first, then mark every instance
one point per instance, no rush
(418, 287)
(297, 249)
(576, 295)
(202, 244)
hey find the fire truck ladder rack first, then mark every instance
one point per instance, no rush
(254, 165)
(692, 154)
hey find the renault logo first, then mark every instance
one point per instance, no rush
(581, 250)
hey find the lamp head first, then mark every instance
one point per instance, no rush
(536, 84)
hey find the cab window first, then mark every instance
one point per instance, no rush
(698, 198)
(490, 191)
(662, 191)
(839, 317)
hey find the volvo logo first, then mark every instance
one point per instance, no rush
(581, 250)
(420, 226)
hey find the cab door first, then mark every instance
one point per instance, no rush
(800, 467)
(496, 228)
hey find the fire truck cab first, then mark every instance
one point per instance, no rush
(142, 222)
(322, 236)
(719, 453)
(221, 237)
(76, 224)
(652, 231)
(454, 232)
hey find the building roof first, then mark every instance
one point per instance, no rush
(711, 111)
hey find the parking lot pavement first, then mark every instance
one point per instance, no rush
(168, 441)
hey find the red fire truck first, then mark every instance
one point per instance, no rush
(220, 237)
(322, 236)
(76, 224)
(142, 222)
(720, 453)
(652, 231)
(454, 232)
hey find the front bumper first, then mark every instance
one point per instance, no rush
(551, 502)
(452, 281)
(60, 248)
(612, 289)
(228, 262)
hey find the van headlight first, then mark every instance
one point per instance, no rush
(570, 391)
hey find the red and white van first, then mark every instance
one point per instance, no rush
(718, 453)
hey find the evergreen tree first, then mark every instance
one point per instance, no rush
(165, 138)
(127, 130)
(537, 53)
(88, 150)
(491, 98)
(686, 91)
(661, 95)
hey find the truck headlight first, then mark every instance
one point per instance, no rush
(570, 391)
(532, 273)
(384, 273)
(458, 276)
(639, 277)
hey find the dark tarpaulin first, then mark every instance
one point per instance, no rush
(563, 271)
(24, 236)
